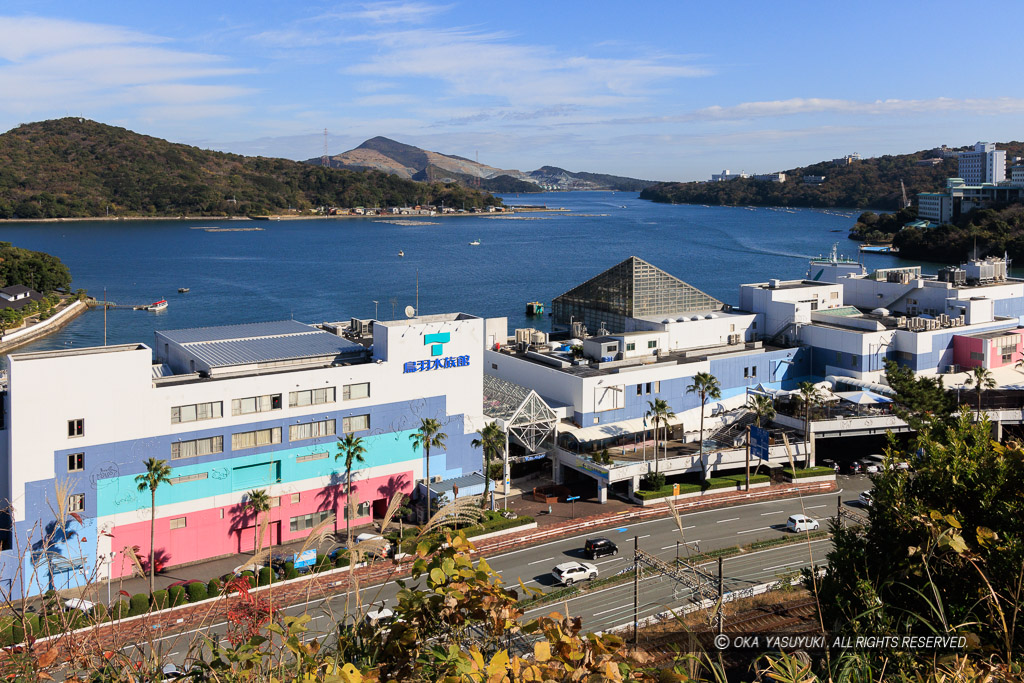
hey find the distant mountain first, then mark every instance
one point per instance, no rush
(74, 167)
(413, 163)
(870, 183)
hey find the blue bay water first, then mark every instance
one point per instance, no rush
(333, 269)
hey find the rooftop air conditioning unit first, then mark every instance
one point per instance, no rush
(437, 479)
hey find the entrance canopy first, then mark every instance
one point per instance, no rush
(522, 413)
(862, 398)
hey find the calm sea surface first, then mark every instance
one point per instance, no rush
(330, 269)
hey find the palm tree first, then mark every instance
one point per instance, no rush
(258, 501)
(809, 396)
(492, 442)
(428, 436)
(706, 386)
(762, 406)
(157, 472)
(981, 379)
(351, 450)
(660, 413)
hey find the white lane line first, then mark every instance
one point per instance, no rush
(546, 559)
(613, 609)
(780, 566)
(644, 536)
(731, 519)
(614, 559)
(777, 512)
(750, 531)
(173, 654)
(812, 507)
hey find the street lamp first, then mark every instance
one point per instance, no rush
(110, 565)
(375, 302)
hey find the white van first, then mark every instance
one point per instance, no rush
(799, 523)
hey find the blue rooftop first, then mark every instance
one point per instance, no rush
(275, 328)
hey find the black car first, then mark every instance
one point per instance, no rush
(599, 547)
(830, 463)
(855, 467)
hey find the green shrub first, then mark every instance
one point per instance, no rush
(653, 482)
(288, 565)
(291, 573)
(196, 592)
(250, 577)
(340, 561)
(324, 562)
(265, 576)
(176, 595)
(809, 472)
(213, 588)
(139, 604)
(120, 610)
(159, 599)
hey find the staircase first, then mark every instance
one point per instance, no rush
(732, 435)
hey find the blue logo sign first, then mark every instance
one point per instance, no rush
(306, 559)
(436, 341)
(759, 443)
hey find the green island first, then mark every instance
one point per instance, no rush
(46, 275)
(870, 183)
(77, 168)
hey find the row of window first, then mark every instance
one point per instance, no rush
(268, 402)
(266, 437)
(651, 344)
(648, 388)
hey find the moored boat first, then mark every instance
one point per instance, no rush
(157, 305)
(182, 290)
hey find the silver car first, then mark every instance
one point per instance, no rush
(569, 573)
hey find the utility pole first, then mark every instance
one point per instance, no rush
(636, 591)
(721, 594)
(748, 458)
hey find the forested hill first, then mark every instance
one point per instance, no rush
(871, 183)
(75, 167)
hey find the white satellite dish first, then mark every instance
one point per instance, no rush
(410, 312)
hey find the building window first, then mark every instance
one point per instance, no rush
(76, 502)
(76, 427)
(631, 346)
(657, 387)
(255, 404)
(746, 372)
(260, 437)
(854, 360)
(355, 423)
(185, 478)
(295, 498)
(311, 456)
(304, 522)
(652, 344)
(352, 392)
(494, 366)
(362, 510)
(839, 356)
(977, 355)
(76, 462)
(639, 389)
(833, 295)
(732, 327)
(275, 502)
(754, 325)
(197, 447)
(196, 411)
(310, 397)
(753, 371)
(647, 388)
(311, 430)
(178, 523)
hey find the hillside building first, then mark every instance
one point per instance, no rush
(984, 164)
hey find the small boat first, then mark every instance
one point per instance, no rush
(182, 290)
(879, 249)
(157, 306)
(534, 308)
(401, 253)
(475, 243)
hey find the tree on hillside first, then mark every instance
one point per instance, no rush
(918, 400)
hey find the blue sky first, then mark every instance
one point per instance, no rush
(661, 90)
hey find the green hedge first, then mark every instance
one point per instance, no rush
(176, 594)
(213, 588)
(741, 479)
(139, 605)
(265, 576)
(197, 592)
(159, 599)
(667, 490)
(495, 522)
(809, 472)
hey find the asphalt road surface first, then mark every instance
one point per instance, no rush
(611, 606)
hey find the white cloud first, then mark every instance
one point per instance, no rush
(56, 66)
(814, 105)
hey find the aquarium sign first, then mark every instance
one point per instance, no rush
(438, 361)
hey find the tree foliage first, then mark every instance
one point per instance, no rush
(919, 400)
(995, 230)
(944, 550)
(74, 167)
(38, 270)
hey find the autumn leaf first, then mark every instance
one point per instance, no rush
(48, 657)
(542, 651)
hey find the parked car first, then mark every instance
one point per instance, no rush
(866, 499)
(854, 467)
(569, 573)
(599, 547)
(379, 615)
(798, 523)
(870, 466)
(830, 463)
(384, 552)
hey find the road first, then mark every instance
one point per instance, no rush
(612, 606)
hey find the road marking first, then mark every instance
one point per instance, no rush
(683, 544)
(750, 531)
(546, 559)
(812, 507)
(613, 609)
(777, 512)
(731, 519)
(614, 559)
(780, 566)
(644, 536)
(622, 529)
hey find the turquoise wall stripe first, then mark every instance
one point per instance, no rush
(121, 494)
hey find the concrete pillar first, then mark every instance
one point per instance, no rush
(556, 468)
(634, 485)
(602, 492)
